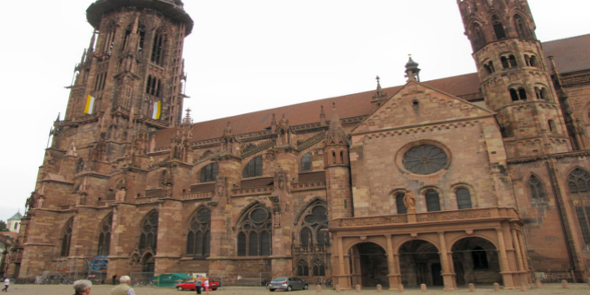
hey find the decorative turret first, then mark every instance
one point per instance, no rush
(514, 78)
(412, 70)
(336, 148)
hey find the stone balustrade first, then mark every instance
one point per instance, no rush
(439, 216)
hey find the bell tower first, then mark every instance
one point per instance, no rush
(514, 77)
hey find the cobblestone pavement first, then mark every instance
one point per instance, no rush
(574, 289)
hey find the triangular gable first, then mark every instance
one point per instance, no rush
(418, 105)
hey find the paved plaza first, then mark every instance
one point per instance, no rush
(574, 289)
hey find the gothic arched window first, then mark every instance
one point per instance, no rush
(109, 40)
(536, 188)
(399, 202)
(148, 237)
(302, 268)
(253, 168)
(199, 234)
(209, 172)
(313, 224)
(498, 28)
(319, 268)
(578, 183)
(104, 238)
(66, 238)
(255, 232)
(478, 38)
(158, 48)
(306, 162)
(463, 199)
(521, 27)
(432, 201)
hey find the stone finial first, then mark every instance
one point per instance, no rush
(379, 91)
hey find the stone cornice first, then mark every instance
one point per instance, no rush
(573, 154)
(424, 127)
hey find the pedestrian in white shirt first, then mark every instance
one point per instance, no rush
(6, 285)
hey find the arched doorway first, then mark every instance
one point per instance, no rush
(369, 265)
(148, 263)
(420, 264)
(475, 260)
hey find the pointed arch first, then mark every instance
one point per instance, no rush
(104, 236)
(578, 182)
(159, 45)
(199, 233)
(148, 232)
(254, 231)
(478, 38)
(109, 37)
(311, 224)
(66, 238)
(536, 187)
(498, 26)
(524, 32)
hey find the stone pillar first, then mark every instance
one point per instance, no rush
(394, 275)
(169, 252)
(342, 278)
(448, 275)
(522, 272)
(504, 266)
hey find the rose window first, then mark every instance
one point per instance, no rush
(425, 159)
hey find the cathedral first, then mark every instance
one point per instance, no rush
(478, 178)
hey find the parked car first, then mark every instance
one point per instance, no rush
(287, 284)
(190, 285)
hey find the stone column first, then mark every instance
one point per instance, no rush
(394, 276)
(342, 278)
(448, 275)
(504, 266)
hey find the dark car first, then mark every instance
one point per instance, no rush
(287, 284)
(190, 285)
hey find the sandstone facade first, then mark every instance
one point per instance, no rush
(479, 178)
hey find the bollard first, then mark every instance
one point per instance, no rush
(379, 288)
(471, 288)
(538, 284)
(319, 288)
(400, 287)
(423, 288)
(358, 288)
(496, 287)
(337, 288)
(564, 284)
(522, 287)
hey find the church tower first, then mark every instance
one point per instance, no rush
(132, 74)
(515, 79)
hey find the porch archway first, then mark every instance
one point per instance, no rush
(475, 260)
(420, 263)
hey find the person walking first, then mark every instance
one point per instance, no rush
(207, 286)
(6, 285)
(82, 287)
(123, 288)
(198, 285)
(114, 279)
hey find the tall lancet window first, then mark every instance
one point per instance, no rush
(199, 234)
(104, 238)
(66, 238)
(148, 236)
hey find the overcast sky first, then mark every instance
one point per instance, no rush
(242, 56)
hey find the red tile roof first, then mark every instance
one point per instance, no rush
(570, 54)
(567, 54)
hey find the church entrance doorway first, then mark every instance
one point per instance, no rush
(476, 261)
(420, 264)
(369, 265)
(148, 263)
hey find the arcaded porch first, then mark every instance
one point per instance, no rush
(443, 248)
